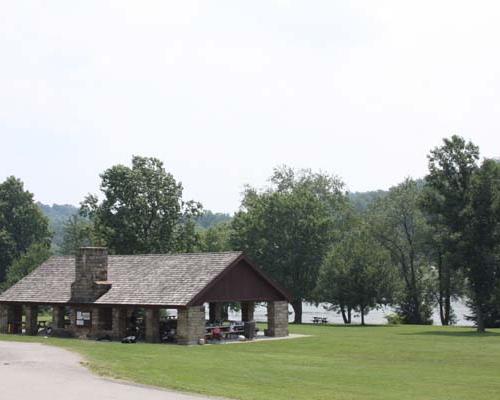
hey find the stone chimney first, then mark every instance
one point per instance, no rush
(91, 275)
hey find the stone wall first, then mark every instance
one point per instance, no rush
(152, 325)
(91, 274)
(4, 320)
(120, 322)
(58, 313)
(190, 325)
(31, 313)
(277, 318)
(11, 316)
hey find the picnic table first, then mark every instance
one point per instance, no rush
(224, 331)
(320, 320)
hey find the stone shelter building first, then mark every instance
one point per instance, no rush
(99, 292)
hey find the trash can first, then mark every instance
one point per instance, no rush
(249, 329)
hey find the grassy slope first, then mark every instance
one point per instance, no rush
(390, 362)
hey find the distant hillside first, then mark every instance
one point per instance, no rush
(209, 219)
(361, 200)
(58, 214)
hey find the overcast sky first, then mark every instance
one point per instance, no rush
(223, 91)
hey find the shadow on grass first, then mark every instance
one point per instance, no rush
(472, 334)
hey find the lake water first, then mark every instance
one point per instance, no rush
(374, 317)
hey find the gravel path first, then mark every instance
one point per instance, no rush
(36, 371)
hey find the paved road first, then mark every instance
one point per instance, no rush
(36, 371)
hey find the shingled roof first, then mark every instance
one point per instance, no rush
(168, 280)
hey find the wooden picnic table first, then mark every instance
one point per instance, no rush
(320, 320)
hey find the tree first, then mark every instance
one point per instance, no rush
(77, 232)
(209, 219)
(21, 223)
(445, 198)
(289, 227)
(216, 238)
(36, 254)
(481, 240)
(398, 224)
(142, 211)
(356, 274)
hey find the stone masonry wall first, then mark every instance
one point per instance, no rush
(91, 273)
(119, 323)
(31, 320)
(152, 325)
(277, 318)
(58, 317)
(4, 321)
(11, 316)
(190, 325)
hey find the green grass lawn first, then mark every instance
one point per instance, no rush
(377, 362)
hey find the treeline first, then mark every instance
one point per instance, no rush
(61, 218)
(419, 245)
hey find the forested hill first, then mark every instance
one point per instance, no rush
(58, 214)
(361, 200)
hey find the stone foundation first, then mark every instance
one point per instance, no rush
(277, 318)
(190, 325)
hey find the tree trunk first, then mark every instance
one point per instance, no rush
(344, 315)
(349, 315)
(444, 292)
(442, 315)
(480, 319)
(297, 310)
(447, 305)
(225, 312)
(362, 308)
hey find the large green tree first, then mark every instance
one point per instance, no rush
(288, 228)
(444, 200)
(356, 275)
(216, 238)
(142, 210)
(481, 241)
(22, 224)
(399, 225)
(35, 255)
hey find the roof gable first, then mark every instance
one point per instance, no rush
(241, 281)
